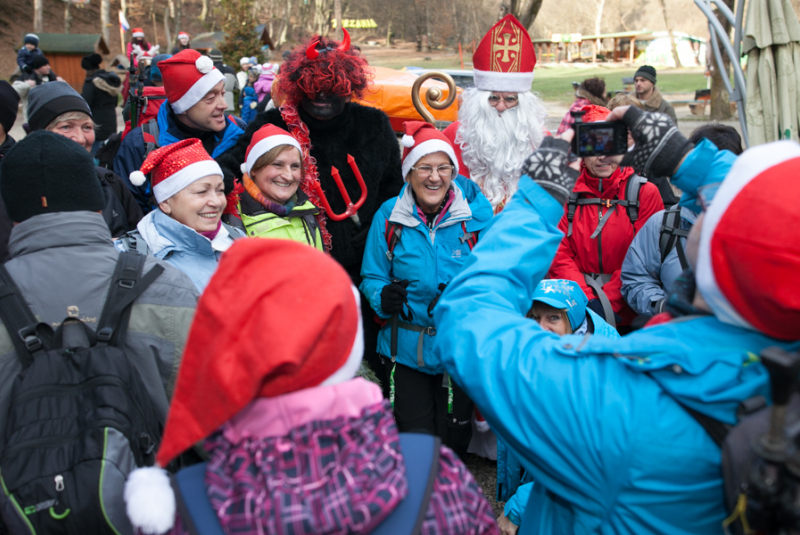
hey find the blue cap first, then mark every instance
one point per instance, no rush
(566, 295)
(155, 72)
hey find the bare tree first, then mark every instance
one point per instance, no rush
(37, 16)
(67, 16)
(105, 16)
(204, 11)
(720, 98)
(671, 35)
(337, 10)
(525, 10)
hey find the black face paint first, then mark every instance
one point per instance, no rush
(324, 106)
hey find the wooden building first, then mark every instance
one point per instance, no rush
(65, 50)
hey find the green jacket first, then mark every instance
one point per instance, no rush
(300, 225)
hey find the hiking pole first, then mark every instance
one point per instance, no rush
(132, 89)
(139, 97)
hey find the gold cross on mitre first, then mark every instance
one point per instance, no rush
(505, 48)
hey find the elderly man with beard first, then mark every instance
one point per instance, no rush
(317, 82)
(500, 120)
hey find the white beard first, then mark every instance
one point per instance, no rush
(494, 146)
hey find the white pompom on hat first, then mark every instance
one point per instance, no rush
(419, 140)
(264, 140)
(188, 76)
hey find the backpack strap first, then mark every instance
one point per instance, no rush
(312, 224)
(150, 134)
(671, 232)
(21, 324)
(232, 232)
(572, 205)
(471, 238)
(133, 241)
(421, 456)
(393, 233)
(631, 202)
(127, 284)
(189, 486)
(596, 283)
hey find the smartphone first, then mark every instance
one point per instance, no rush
(600, 139)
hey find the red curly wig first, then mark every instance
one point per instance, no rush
(333, 71)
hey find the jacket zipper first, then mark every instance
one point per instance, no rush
(600, 240)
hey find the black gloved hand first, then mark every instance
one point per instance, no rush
(548, 168)
(659, 145)
(393, 296)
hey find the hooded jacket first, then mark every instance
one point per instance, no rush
(327, 486)
(63, 263)
(425, 257)
(183, 247)
(623, 460)
(580, 254)
(100, 91)
(261, 223)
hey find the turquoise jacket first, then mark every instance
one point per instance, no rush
(426, 258)
(593, 420)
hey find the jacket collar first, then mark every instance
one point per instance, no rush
(655, 99)
(59, 229)
(164, 235)
(405, 209)
(168, 132)
(611, 185)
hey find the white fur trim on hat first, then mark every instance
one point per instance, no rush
(425, 148)
(149, 500)
(195, 93)
(510, 82)
(138, 34)
(348, 370)
(244, 60)
(138, 178)
(749, 165)
(204, 64)
(177, 181)
(266, 145)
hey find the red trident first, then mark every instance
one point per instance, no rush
(352, 208)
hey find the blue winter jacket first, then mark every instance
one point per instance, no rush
(183, 247)
(25, 56)
(594, 420)
(426, 258)
(645, 280)
(132, 150)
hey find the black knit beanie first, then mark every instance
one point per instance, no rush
(47, 173)
(9, 103)
(38, 62)
(91, 62)
(47, 101)
(31, 39)
(647, 72)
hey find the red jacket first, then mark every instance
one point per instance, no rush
(579, 254)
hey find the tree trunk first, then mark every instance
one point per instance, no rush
(178, 10)
(204, 11)
(598, 45)
(166, 25)
(105, 23)
(389, 34)
(37, 16)
(720, 98)
(673, 44)
(337, 12)
(456, 25)
(526, 11)
(67, 16)
(428, 25)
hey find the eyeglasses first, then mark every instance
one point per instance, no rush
(494, 100)
(424, 171)
(706, 194)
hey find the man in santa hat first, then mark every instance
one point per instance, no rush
(195, 108)
(318, 81)
(500, 120)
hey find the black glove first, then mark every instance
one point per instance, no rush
(659, 145)
(393, 296)
(548, 168)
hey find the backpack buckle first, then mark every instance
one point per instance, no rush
(605, 202)
(127, 283)
(32, 342)
(105, 334)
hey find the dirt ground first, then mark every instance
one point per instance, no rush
(485, 473)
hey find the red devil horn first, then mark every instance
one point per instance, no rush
(311, 51)
(345, 46)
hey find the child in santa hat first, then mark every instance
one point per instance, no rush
(186, 229)
(272, 205)
(295, 443)
(428, 232)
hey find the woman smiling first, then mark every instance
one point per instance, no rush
(272, 205)
(186, 230)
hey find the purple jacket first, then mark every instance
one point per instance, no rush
(327, 460)
(263, 85)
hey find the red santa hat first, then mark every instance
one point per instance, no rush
(264, 140)
(174, 167)
(256, 337)
(419, 140)
(183, 34)
(505, 58)
(137, 32)
(594, 114)
(188, 76)
(749, 254)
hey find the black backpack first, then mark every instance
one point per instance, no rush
(671, 234)
(80, 419)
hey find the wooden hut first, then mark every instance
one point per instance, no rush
(65, 50)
